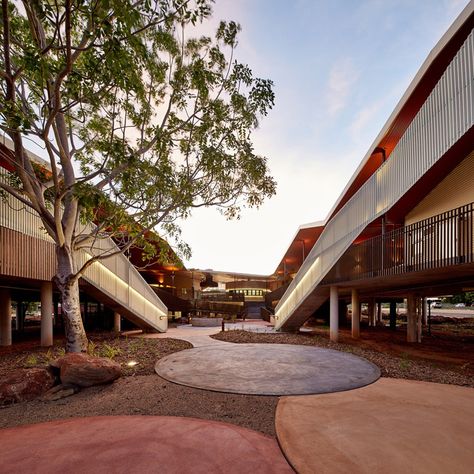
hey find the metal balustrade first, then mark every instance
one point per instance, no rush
(115, 277)
(446, 115)
(440, 241)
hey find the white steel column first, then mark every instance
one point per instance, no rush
(5, 318)
(379, 312)
(46, 314)
(117, 322)
(419, 322)
(355, 314)
(424, 311)
(333, 314)
(371, 311)
(412, 326)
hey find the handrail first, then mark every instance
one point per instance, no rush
(444, 118)
(439, 241)
(115, 276)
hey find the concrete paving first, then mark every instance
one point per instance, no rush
(267, 369)
(256, 325)
(392, 426)
(138, 444)
(199, 337)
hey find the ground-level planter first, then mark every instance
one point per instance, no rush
(206, 322)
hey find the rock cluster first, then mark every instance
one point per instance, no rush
(64, 377)
(25, 384)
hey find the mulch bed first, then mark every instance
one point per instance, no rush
(145, 352)
(139, 392)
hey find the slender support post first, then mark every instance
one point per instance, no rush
(424, 311)
(371, 311)
(429, 317)
(117, 322)
(17, 320)
(419, 312)
(46, 314)
(19, 310)
(412, 326)
(333, 314)
(379, 312)
(5, 318)
(355, 314)
(393, 315)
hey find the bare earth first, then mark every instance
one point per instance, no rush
(427, 362)
(141, 392)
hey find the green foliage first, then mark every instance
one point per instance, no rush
(49, 356)
(467, 298)
(60, 352)
(32, 360)
(109, 351)
(92, 349)
(143, 120)
(404, 361)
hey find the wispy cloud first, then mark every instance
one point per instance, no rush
(342, 77)
(363, 117)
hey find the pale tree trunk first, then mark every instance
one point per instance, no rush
(68, 286)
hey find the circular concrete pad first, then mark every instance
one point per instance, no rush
(267, 369)
(391, 426)
(138, 444)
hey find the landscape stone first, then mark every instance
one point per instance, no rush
(60, 391)
(85, 371)
(25, 384)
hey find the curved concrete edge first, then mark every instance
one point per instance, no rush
(206, 322)
(138, 444)
(197, 336)
(170, 359)
(391, 426)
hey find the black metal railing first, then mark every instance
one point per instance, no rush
(440, 241)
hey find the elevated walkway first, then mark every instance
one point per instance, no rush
(443, 120)
(27, 252)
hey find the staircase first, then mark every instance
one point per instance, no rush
(27, 252)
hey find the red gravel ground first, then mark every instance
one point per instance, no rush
(445, 357)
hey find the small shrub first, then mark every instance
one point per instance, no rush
(49, 356)
(404, 364)
(109, 351)
(404, 361)
(32, 360)
(92, 349)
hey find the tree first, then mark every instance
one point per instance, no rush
(140, 121)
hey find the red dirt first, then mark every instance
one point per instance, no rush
(444, 347)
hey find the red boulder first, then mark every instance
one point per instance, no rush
(84, 371)
(25, 384)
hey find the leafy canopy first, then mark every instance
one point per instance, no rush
(142, 121)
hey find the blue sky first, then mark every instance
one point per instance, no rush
(339, 67)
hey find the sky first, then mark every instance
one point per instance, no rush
(339, 69)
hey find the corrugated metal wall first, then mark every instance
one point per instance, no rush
(454, 191)
(446, 116)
